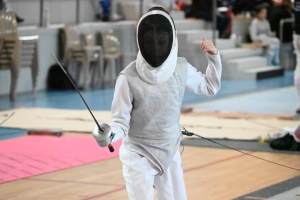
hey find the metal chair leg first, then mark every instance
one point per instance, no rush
(34, 74)
(14, 74)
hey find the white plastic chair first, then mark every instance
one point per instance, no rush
(95, 56)
(17, 52)
(112, 54)
(86, 54)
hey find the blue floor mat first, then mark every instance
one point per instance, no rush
(101, 99)
(7, 133)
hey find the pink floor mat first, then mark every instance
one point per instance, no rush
(33, 155)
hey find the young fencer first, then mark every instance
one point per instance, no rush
(146, 108)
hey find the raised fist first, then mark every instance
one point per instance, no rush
(209, 47)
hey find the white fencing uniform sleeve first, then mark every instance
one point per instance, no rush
(121, 108)
(253, 31)
(208, 83)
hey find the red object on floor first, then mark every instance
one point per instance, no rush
(33, 155)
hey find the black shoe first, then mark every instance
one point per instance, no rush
(284, 143)
(19, 20)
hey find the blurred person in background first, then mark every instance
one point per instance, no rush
(244, 6)
(260, 33)
(203, 9)
(105, 5)
(282, 10)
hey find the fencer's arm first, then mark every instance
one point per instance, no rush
(210, 82)
(121, 108)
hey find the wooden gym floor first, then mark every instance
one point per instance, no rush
(209, 174)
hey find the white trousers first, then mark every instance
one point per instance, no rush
(273, 45)
(141, 176)
(296, 43)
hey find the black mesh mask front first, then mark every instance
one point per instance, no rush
(155, 38)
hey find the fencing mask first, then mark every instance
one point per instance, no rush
(155, 35)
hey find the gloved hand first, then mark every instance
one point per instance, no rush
(103, 140)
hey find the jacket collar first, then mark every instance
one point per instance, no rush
(160, 74)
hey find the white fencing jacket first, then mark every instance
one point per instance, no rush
(147, 102)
